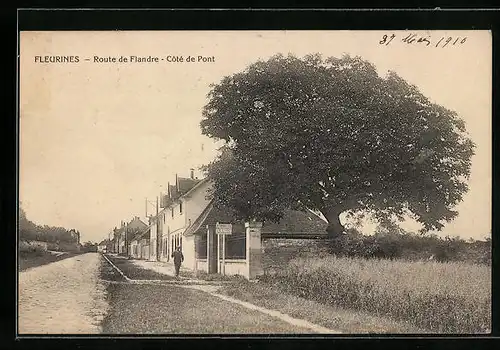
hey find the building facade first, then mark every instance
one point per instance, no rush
(187, 218)
(180, 207)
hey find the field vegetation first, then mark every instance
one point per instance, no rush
(442, 297)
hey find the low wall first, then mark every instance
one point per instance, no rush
(276, 252)
(202, 265)
(233, 266)
(236, 267)
(279, 251)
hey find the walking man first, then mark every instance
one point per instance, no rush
(178, 259)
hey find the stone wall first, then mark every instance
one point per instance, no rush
(279, 251)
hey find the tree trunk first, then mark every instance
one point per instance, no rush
(335, 227)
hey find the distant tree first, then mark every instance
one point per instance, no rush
(333, 136)
(27, 229)
(89, 246)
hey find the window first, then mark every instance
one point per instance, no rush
(180, 207)
(236, 246)
(201, 246)
(164, 218)
(172, 210)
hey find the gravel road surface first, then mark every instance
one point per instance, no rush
(64, 297)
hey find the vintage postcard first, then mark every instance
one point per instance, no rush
(254, 182)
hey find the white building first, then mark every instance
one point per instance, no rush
(182, 205)
(188, 219)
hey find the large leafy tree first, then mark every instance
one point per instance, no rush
(332, 135)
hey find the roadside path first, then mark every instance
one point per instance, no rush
(194, 308)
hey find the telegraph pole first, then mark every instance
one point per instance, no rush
(158, 236)
(126, 240)
(157, 226)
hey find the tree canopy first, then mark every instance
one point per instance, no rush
(332, 135)
(29, 231)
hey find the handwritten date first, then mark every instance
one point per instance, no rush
(424, 40)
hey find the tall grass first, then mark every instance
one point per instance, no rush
(449, 297)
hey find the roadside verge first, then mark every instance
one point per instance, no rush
(210, 287)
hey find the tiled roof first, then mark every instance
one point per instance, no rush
(172, 192)
(293, 221)
(185, 184)
(143, 234)
(118, 231)
(136, 224)
(165, 201)
(210, 216)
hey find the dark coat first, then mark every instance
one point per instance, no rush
(178, 257)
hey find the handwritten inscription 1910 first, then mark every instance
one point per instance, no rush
(425, 40)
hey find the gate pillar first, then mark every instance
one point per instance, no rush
(253, 250)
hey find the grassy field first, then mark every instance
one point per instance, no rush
(27, 260)
(439, 297)
(173, 310)
(135, 272)
(347, 321)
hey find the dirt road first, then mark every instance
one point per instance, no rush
(64, 297)
(71, 297)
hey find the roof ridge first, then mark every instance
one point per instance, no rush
(198, 183)
(199, 220)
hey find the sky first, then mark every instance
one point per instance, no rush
(97, 139)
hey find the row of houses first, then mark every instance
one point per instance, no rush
(186, 218)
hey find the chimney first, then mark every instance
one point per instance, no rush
(192, 173)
